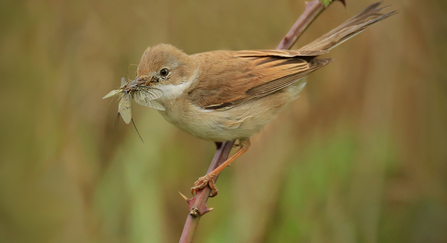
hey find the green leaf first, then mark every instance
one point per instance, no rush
(326, 2)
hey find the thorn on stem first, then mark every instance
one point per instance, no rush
(183, 196)
(344, 2)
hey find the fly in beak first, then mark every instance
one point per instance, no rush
(139, 90)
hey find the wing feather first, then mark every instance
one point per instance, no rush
(240, 76)
(278, 84)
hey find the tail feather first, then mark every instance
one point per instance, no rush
(348, 29)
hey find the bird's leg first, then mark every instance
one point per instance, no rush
(208, 179)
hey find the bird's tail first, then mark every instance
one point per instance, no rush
(348, 29)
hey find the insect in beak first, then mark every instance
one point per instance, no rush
(142, 94)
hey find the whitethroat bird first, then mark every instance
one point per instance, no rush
(228, 95)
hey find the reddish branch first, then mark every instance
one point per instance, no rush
(197, 204)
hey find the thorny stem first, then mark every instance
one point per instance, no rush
(197, 204)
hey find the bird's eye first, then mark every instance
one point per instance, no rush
(164, 72)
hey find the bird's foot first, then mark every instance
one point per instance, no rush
(202, 182)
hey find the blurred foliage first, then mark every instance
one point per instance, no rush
(360, 157)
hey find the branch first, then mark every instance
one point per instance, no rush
(197, 204)
(313, 9)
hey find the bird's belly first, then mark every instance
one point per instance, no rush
(242, 121)
(215, 125)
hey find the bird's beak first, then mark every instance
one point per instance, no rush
(146, 80)
(139, 80)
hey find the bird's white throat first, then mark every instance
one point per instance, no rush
(172, 91)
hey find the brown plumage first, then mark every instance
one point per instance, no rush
(241, 76)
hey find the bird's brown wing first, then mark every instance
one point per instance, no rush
(229, 78)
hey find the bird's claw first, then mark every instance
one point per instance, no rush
(202, 182)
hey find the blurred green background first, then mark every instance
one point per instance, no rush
(360, 157)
